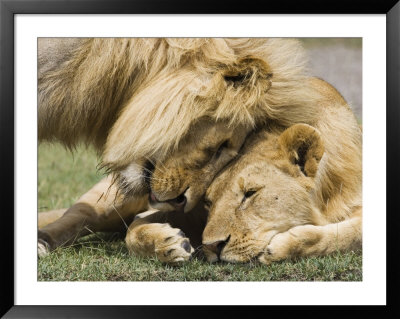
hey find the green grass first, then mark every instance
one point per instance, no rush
(105, 258)
(63, 177)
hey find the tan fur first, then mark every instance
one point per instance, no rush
(283, 217)
(339, 178)
(190, 170)
(46, 218)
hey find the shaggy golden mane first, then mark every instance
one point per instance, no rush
(135, 98)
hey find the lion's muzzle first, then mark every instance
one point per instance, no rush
(177, 203)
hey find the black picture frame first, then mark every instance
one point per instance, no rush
(9, 8)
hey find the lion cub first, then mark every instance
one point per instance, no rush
(271, 203)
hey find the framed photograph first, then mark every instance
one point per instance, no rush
(355, 48)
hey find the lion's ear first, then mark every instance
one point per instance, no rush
(303, 145)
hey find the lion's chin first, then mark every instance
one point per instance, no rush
(232, 258)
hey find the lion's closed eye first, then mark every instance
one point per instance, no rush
(207, 203)
(220, 149)
(248, 194)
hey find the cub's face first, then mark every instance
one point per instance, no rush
(179, 181)
(265, 192)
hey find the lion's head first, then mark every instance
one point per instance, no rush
(223, 90)
(266, 191)
(181, 180)
(178, 182)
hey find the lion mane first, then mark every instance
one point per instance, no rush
(136, 98)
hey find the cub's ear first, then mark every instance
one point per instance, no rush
(303, 145)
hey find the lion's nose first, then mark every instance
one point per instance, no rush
(217, 246)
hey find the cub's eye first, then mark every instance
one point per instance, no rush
(220, 148)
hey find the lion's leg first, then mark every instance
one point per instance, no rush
(100, 209)
(310, 240)
(46, 218)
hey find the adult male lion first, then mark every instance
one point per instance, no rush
(145, 104)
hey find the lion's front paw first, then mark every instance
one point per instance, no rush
(170, 245)
(43, 248)
(295, 242)
(281, 247)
